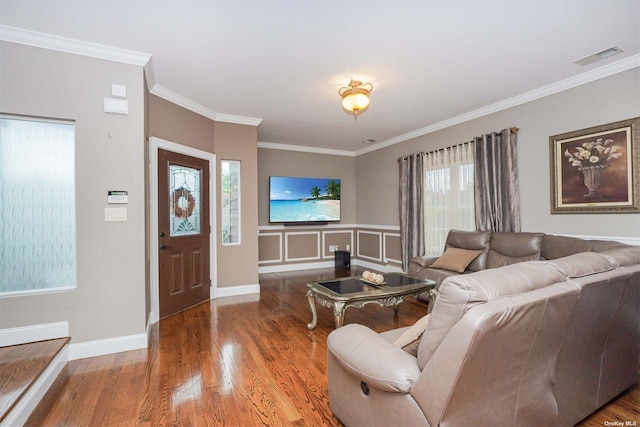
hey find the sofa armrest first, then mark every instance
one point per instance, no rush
(369, 357)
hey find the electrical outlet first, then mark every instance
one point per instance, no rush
(332, 248)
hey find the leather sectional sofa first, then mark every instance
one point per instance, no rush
(541, 330)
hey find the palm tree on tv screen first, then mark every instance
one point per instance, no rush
(333, 189)
(315, 192)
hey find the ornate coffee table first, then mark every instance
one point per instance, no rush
(355, 292)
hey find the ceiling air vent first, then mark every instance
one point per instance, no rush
(599, 56)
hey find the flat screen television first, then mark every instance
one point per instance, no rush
(295, 200)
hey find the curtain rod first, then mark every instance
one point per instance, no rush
(435, 151)
(514, 130)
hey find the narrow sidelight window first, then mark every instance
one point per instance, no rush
(230, 202)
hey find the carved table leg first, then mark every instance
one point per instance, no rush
(396, 308)
(338, 313)
(311, 298)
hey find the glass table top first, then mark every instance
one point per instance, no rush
(355, 286)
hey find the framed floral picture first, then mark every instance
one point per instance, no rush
(596, 170)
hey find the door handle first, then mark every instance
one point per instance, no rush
(165, 247)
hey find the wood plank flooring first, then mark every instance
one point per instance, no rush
(238, 361)
(20, 367)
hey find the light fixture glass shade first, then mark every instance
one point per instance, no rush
(355, 97)
(355, 101)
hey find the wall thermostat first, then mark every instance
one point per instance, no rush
(117, 196)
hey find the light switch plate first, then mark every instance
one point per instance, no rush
(116, 106)
(119, 91)
(115, 214)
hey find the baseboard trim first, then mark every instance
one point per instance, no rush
(296, 267)
(26, 405)
(33, 333)
(107, 346)
(387, 268)
(233, 291)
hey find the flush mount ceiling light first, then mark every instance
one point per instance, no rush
(355, 97)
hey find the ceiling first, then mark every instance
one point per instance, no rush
(432, 63)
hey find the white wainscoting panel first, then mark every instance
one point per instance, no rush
(384, 240)
(375, 233)
(279, 259)
(324, 243)
(301, 233)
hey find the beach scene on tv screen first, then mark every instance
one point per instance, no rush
(304, 199)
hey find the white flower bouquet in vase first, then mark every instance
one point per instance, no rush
(591, 159)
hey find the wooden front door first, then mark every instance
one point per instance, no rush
(184, 229)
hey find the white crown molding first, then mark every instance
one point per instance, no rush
(183, 102)
(149, 75)
(566, 84)
(239, 120)
(63, 44)
(94, 50)
(316, 150)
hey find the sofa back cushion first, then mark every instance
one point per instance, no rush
(560, 246)
(623, 255)
(583, 264)
(458, 294)
(473, 240)
(509, 248)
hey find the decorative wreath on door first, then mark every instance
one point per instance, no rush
(183, 203)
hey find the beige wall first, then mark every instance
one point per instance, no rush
(110, 297)
(297, 163)
(604, 101)
(287, 245)
(173, 123)
(236, 264)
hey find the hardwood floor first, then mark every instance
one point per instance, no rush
(238, 361)
(20, 367)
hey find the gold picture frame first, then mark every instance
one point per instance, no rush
(596, 170)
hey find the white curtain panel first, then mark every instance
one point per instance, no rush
(448, 194)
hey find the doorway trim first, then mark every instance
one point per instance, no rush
(156, 144)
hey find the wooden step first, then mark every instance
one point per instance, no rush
(24, 368)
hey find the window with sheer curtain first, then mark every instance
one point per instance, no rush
(37, 206)
(448, 194)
